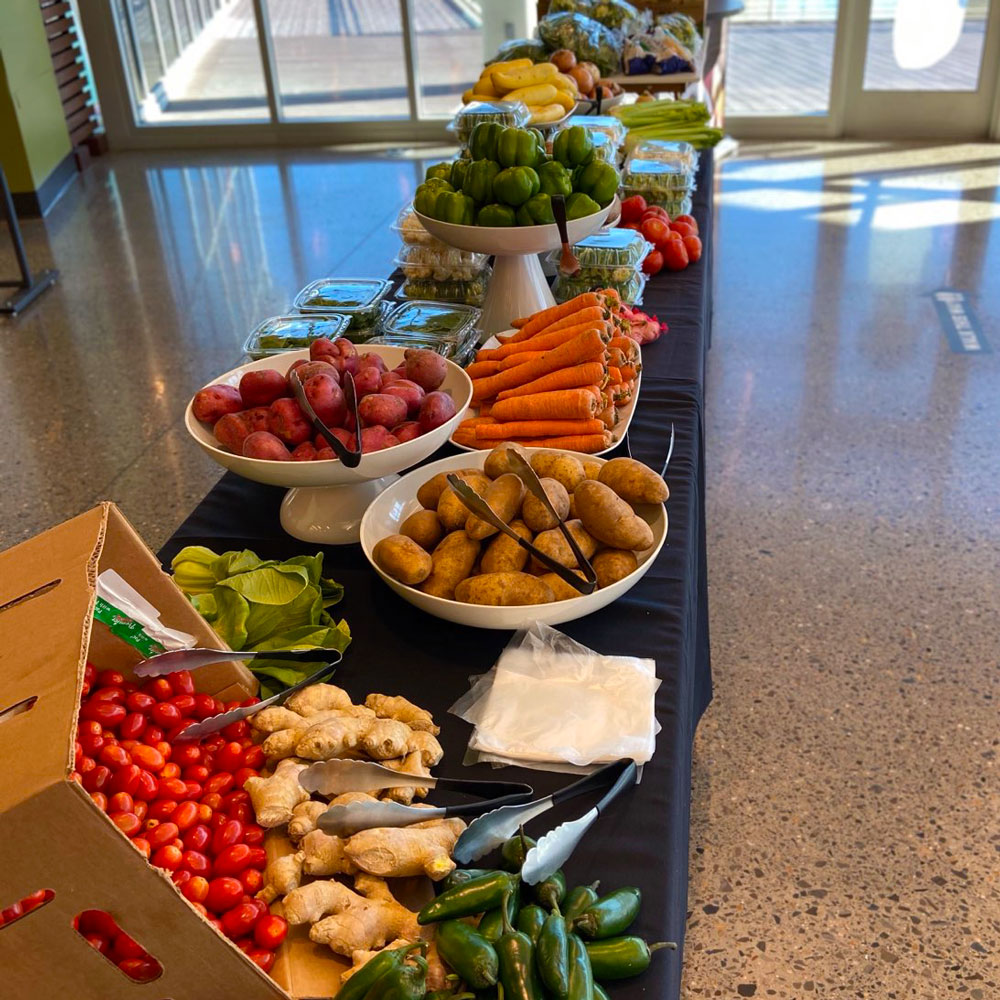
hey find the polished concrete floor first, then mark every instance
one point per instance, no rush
(846, 817)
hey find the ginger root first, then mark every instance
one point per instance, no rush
(323, 854)
(347, 733)
(427, 745)
(318, 698)
(312, 902)
(397, 707)
(282, 876)
(361, 920)
(412, 763)
(275, 797)
(273, 718)
(305, 817)
(403, 852)
(386, 738)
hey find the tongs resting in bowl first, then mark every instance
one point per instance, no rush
(350, 458)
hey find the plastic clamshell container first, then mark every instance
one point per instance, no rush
(612, 248)
(289, 333)
(460, 352)
(604, 149)
(630, 288)
(607, 125)
(681, 154)
(470, 293)
(439, 321)
(507, 113)
(411, 230)
(356, 298)
(656, 176)
(444, 264)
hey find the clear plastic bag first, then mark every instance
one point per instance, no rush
(521, 48)
(656, 51)
(550, 702)
(588, 39)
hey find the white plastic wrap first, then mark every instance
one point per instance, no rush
(551, 702)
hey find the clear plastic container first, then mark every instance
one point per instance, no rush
(441, 264)
(506, 113)
(663, 179)
(609, 251)
(357, 298)
(610, 126)
(471, 292)
(630, 288)
(605, 149)
(412, 232)
(426, 319)
(681, 154)
(291, 333)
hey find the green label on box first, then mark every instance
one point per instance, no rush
(126, 628)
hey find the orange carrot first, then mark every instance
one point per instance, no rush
(483, 418)
(572, 352)
(562, 404)
(480, 369)
(484, 409)
(589, 314)
(466, 436)
(513, 360)
(537, 428)
(614, 375)
(590, 373)
(608, 416)
(586, 443)
(539, 320)
(628, 373)
(546, 341)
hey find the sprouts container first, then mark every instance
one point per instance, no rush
(466, 119)
(628, 282)
(611, 252)
(450, 329)
(681, 154)
(289, 333)
(659, 183)
(607, 125)
(471, 292)
(357, 298)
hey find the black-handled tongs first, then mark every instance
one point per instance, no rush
(350, 457)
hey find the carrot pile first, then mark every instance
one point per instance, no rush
(558, 380)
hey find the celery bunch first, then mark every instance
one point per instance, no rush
(679, 121)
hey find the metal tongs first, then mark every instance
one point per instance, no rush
(335, 777)
(350, 457)
(526, 474)
(490, 830)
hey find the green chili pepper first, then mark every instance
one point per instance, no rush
(579, 204)
(515, 850)
(468, 953)
(578, 900)
(611, 915)
(551, 891)
(475, 896)
(491, 925)
(442, 170)
(516, 954)
(552, 956)
(404, 982)
(362, 981)
(462, 875)
(581, 975)
(496, 215)
(530, 921)
(622, 957)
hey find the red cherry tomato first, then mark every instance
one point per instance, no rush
(223, 894)
(100, 800)
(254, 757)
(114, 756)
(184, 703)
(186, 755)
(164, 833)
(181, 877)
(169, 856)
(115, 694)
(102, 944)
(241, 811)
(97, 922)
(172, 788)
(262, 957)
(632, 208)
(252, 880)
(127, 822)
(162, 808)
(270, 931)
(221, 782)
(237, 731)
(198, 837)
(253, 834)
(688, 220)
(239, 920)
(693, 246)
(194, 790)
(196, 772)
(107, 678)
(213, 800)
(165, 714)
(121, 802)
(232, 860)
(148, 757)
(262, 909)
(675, 256)
(153, 735)
(195, 889)
(170, 770)
(204, 706)
(159, 688)
(243, 775)
(655, 210)
(142, 846)
(228, 833)
(139, 701)
(146, 787)
(133, 726)
(230, 757)
(142, 970)
(98, 779)
(181, 681)
(198, 864)
(653, 263)
(125, 946)
(185, 815)
(107, 713)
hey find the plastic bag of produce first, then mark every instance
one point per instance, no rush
(616, 14)
(683, 28)
(656, 51)
(588, 39)
(521, 48)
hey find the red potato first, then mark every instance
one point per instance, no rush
(311, 368)
(258, 418)
(263, 444)
(326, 454)
(381, 408)
(215, 401)
(400, 369)
(389, 377)
(322, 348)
(231, 431)
(326, 398)
(262, 388)
(289, 423)
(409, 392)
(367, 381)
(305, 452)
(370, 360)
(345, 363)
(377, 439)
(296, 364)
(344, 436)
(436, 409)
(407, 431)
(426, 368)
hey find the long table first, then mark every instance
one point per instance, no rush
(643, 839)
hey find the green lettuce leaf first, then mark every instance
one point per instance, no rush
(195, 554)
(230, 621)
(267, 620)
(206, 606)
(231, 563)
(270, 585)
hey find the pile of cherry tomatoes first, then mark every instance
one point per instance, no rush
(675, 241)
(181, 803)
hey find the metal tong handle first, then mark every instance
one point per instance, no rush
(216, 722)
(352, 459)
(627, 777)
(482, 509)
(529, 477)
(192, 659)
(601, 778)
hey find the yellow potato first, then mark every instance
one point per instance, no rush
(424, 528)
(401, 558)
(592, 470)
(451, 563)
(533, 511)
(504, 497)
(558, 465)
(503, 554)
(572, 515)
(612, 565)
(496, 461)
(451, 511)
(483, 87)
(553, 544)
(560, 587)
(508, 65)
(609, 518)
(633, 481)
(504, 590)
(566, 83)
(429, 494)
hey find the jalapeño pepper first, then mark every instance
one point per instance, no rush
(483, 140)
(404, 982)
(551, 891)
(462, 875)
(491, 925)
(516, 955)
(530, 921)
(515, 850)
(385, 961)
(552, 956)
(475, 896)
(578, 900)
(468, 953)
(611, 915)
(581, 975)
(622, 957)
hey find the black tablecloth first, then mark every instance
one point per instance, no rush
(643, 839)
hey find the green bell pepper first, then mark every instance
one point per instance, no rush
(483, 140)
(426, 195)
(517, 147)
(599, 180)
(579, 204)
(442, 170)
(573, 146)
(451, 206)
(458, 171)
(496, 215)
(478, 183)
(515, 185)
(536, 211)
(554, 178)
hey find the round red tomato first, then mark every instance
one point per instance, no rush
(629, 225)
(688, 220)
(655, 210)
(693, 246)
(683, 228)
(270, 931)
(653, 263)
(655, 230)
(675, 257)
(632, 208)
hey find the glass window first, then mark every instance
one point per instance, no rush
(450, 56)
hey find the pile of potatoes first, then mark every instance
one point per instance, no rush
(446, 551)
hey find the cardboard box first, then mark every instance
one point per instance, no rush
(52, 836)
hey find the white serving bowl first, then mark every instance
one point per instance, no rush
(388, 511)
(327, 499)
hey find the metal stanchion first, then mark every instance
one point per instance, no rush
(30, 286)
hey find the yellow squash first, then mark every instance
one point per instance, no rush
(568, 101)
(546, 113)
(540, 93)
(565, 82)
(526, 76)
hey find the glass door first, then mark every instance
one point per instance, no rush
(922, 68)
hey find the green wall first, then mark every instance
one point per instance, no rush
(33, 136)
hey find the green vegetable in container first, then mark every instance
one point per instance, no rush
(479, 178)
(622, 957)
(262, 605)
(579, 204)
(599, 180)
(483, 140)
(442, 170)
(536, 211)
(456, 208)
(515, 185)
(518, 147)
(496, 215)
(554, 178)
(573, 146)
